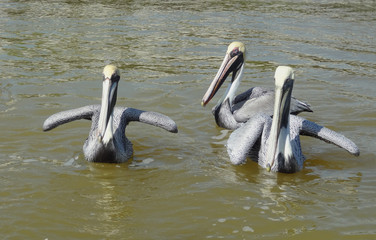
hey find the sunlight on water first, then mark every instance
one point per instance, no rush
(182, 186)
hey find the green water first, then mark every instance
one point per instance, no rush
(182, 186)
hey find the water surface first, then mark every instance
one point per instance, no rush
(182, 186)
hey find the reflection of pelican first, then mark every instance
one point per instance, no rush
(231, 111)
(107, 141)
(275, 141)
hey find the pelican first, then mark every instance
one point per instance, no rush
(274, 141)
(231, 112)
(107, 141)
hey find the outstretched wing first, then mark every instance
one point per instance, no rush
(152, 118)
(68, 116)
(312, 129)
(242, 139)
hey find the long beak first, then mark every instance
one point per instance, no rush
(229, 64)
(109, 94)
(280, 125)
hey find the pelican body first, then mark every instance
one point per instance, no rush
(274, 141)
(232, 111)
(107, 141)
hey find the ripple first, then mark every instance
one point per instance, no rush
(182, 185)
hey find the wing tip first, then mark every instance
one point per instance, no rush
(351, 147)
(300, 106)
(174, 128)
(355, 151)
(167, 123)
(46, 125)
(236, 157)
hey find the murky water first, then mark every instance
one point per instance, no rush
(182, 186)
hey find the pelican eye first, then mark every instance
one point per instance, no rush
(235, 52)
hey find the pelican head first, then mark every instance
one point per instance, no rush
(232, 63)
(280, 148)
(111, 77)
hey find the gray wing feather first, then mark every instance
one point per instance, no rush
(297, 106)
(254, 92)
(242, 139)
(258, 100)
(312, 129)
(152, 118)
(68, 116)
(253, 106)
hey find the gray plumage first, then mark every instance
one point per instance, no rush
(232, 111)
(120, 148)
(107, 141)
(254, 101)
(274, 141)
(252, 140)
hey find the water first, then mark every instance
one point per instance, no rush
(182, 186)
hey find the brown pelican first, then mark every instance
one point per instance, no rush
(231, 112)
(107, 141)
(274, 141)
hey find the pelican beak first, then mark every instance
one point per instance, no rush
(109, 95)
(108, 102)
(284, 81)
(232, 62)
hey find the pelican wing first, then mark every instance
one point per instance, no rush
(258, 100)
(297, 106)
(68, 116)
(242, 139)
(255, 104)
(152, 118)
(254, 92)
(312, 129)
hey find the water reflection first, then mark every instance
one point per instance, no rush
(110, 207)
(167, 53)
